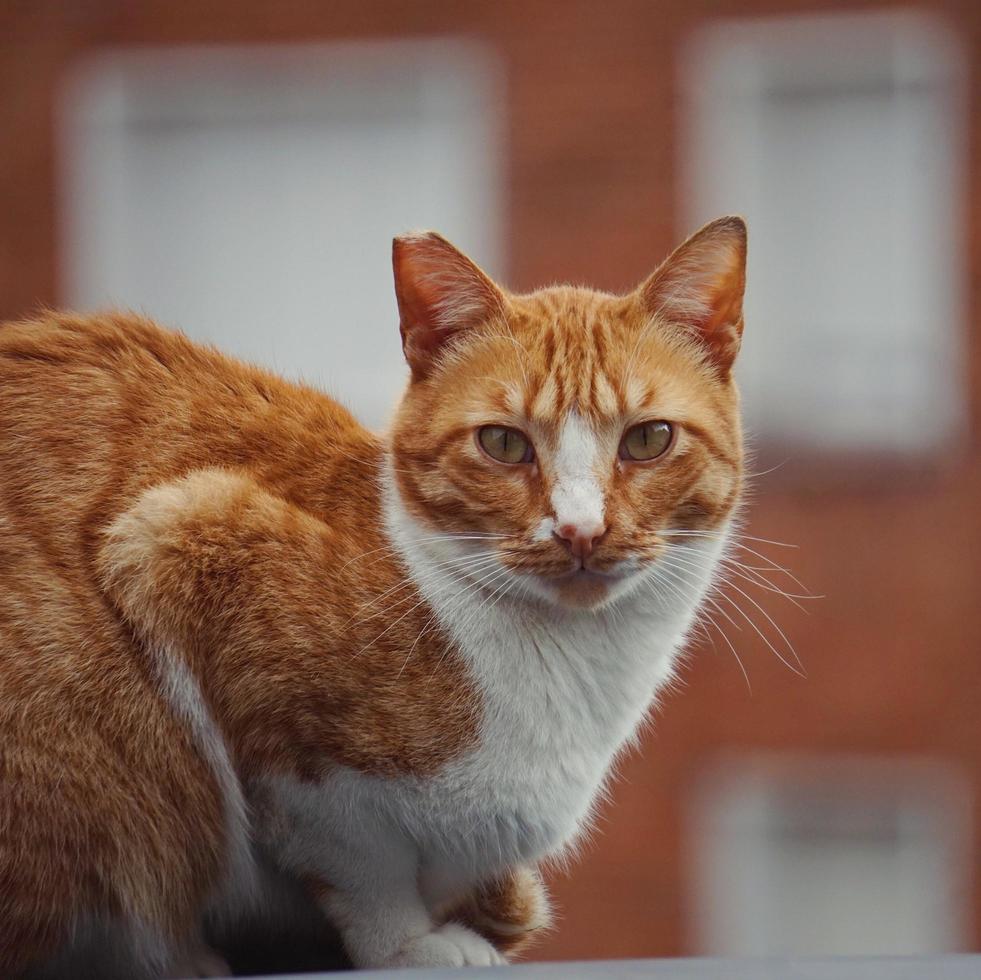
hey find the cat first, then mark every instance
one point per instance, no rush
(243, 639)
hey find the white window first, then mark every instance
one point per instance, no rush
(839, 137)
(837, 856)
(249, 196)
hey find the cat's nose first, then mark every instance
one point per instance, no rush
(580, 539)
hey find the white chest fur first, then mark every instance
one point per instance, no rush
(558, 701)
(561, 693)
(559, 698)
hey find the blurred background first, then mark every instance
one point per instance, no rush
(237, 168)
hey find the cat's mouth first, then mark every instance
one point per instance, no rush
(584, 588)
(583, 574)
(582, 584)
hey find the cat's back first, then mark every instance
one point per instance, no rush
(76, 373)
(97, 408)
(88, 363)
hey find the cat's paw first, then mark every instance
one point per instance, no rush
(510, 911)
(449, 945)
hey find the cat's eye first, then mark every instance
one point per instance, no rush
(646, 441)
(504, 444)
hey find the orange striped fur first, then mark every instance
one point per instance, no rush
(170, 516)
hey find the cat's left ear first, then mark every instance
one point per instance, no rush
(440, 292)
(700, 288)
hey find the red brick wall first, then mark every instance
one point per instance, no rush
(893, 653)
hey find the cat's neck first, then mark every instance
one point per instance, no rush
(528, 654)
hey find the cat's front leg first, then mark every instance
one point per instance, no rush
(371, 895)
(510, 910)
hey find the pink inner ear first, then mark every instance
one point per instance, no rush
(435, 289)
(439, 292)
(418, 296)
(726, 304)
(701, 286)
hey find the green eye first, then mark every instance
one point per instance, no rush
(504, 444)
(646, 441)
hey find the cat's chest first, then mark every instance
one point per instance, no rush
(557, 705)
(565, 691)
(555, 708)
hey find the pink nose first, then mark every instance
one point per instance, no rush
(580, 539)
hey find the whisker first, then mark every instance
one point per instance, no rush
(707, 597)
(797, 670)
(501, 591)
(753, 576)
(735, 542)
(675, 589)
(772, 622)
(442, 569)
(742, 667)
(483, 582)
(408, 580)
(800, 672)
(434, 539)
(776, 567)
(738, 568)
(391, 626)
(735, 534)
(772, 469)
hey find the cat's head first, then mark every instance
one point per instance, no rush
(555, 444)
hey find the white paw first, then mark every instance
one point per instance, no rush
(450, 945)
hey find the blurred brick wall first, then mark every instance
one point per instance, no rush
(893, 653)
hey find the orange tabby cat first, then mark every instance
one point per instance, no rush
(242, 637)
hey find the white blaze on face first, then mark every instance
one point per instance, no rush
(577, 493)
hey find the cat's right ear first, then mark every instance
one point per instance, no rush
(440, 292)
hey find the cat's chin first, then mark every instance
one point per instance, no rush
(582, 589)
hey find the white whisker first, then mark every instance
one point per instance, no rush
(718, 536)
(688, 562)
(742, 667)
(441, 570)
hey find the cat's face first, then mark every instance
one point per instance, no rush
(561, 437)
